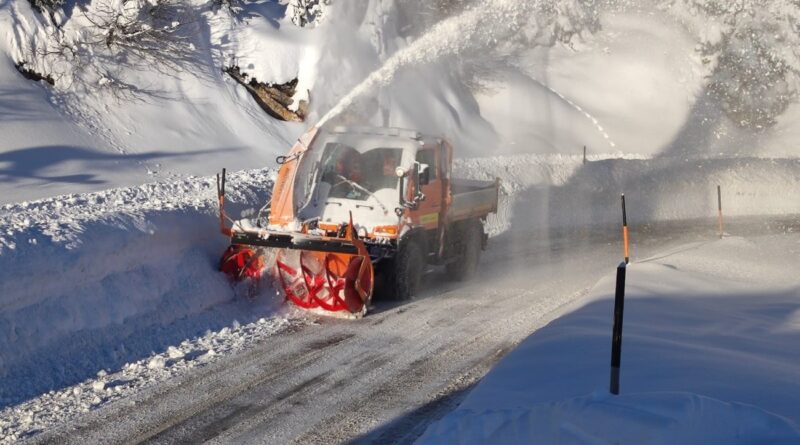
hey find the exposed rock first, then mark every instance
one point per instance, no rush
(275, 99)
(33, 75)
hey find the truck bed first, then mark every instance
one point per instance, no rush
(472, 199)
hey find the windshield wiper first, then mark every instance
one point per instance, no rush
(360, 187)
(313, 183)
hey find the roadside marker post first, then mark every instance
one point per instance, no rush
(584, 154)
(625, 231)
(719, 210)
(616, 332)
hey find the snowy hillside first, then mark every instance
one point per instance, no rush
(499, 77)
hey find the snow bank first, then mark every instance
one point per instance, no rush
(93, 281)
(651, 418)
(708, 356)
(540, 192)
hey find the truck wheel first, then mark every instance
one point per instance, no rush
(408, 268)
(464, 267)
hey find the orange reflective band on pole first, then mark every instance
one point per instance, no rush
(625, 230)
(625, 242)
(719, 210)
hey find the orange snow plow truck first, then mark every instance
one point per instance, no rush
(357, 209)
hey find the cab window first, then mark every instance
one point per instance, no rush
(428, 156)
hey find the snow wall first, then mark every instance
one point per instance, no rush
(94, 281)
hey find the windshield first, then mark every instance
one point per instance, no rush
(356, 175)
(353, 166)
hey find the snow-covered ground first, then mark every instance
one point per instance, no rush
(708, 356)
(108, 286)
(92, 281)
(111, 281)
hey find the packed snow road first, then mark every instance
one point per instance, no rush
(382, 379)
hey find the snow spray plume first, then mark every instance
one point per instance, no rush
(491, 24)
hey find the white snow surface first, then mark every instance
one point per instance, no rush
(105, 293)
(106, 280)
(547, 191)
(112, 285)
(93, 280)
(708, 357)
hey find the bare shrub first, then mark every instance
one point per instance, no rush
(147, 37)
(139, 35)
(47, 6)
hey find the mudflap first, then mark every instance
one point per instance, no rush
(328, 283)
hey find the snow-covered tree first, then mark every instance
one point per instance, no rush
(753, 50)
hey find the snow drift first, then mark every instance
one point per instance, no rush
(653, 418)
(707, 357)
(542, 192)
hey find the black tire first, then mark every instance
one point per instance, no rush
(470, 236)
(405, 275)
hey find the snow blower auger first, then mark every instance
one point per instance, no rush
(350, 203)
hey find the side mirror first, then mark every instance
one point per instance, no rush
(424, 174)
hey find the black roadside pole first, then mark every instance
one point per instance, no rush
(619, 306)
(616, 332)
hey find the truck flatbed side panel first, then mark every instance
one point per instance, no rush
(458, 186)
(472, 199)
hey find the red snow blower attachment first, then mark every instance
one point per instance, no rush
(330, 275)
(337, 280)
